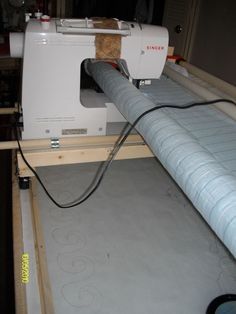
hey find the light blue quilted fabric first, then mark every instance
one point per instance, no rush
(197, 146)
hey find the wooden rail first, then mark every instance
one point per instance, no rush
(46, 299)
(18, 247)
(78, 150)
(75, 150)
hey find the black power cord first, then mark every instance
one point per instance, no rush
(219, 304)
(105, 165)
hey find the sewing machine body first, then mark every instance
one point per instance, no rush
(51, 96)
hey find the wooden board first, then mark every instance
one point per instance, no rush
(8, 110)
(96, 149)
(18, 248)
(67, 142)
(46, 299)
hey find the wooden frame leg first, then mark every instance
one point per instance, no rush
(18, 247)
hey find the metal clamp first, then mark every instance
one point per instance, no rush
(55, 142)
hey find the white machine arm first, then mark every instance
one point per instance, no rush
(88, 26)
(51, 96)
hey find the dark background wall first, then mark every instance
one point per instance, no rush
(214, 48)
(208, 34)
(124, 10)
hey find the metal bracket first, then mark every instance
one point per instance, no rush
(55, 142)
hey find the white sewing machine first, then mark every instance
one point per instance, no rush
(52, 101)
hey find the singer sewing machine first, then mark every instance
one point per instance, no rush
(53, 51)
